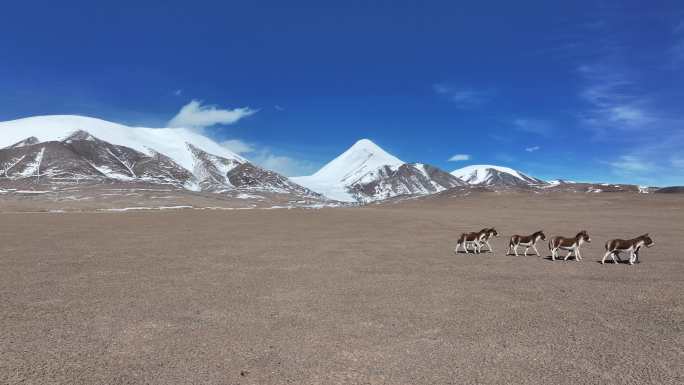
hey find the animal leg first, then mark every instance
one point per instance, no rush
(489, 247)
(603, 260)
(536, 251)
(553, 254)
(568, 256)
(578, 254)
(526, 248)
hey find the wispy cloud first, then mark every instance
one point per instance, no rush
(532, 149)
(459, 158)
(631, 164)
(237, 146)
(534, 126)
(614, 100)
(285, 165)
(279, 107)
(178, 92)
(268, 158)
(197, 116)
(461, 96)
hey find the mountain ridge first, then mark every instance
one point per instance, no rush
(365, 173)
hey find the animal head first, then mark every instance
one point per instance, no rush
(493, 232)
(648, 241)
(583, 235)
(541, 235)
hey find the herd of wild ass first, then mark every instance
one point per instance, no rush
(572, 245)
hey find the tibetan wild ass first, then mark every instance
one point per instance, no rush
(527, 241)
(569, 244)
(474, 239)
(488, 234)
(615, 246)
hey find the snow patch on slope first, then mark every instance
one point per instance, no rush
(33, 168)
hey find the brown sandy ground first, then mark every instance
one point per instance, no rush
(369, 295)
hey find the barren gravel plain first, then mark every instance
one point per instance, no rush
(368, 295)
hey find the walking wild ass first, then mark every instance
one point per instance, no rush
(615, 246)
(474, 239)
(489, 234)
(527, 241)
(569, 244)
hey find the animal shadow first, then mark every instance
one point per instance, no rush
(572, 258)
(618, 262)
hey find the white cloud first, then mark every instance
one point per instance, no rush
(534, 126)
(462, 97)
(459, 157)
(279, 107)
(532, 149)
(197, 116)
(178, 92)
(237, 146)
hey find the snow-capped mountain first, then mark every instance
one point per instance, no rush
(495, 176)
(82, 156)
(171, 142)
(366, 172)
(75, 148)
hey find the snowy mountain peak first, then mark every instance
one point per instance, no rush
(365, 172)
(360, 159)
(30, 141)
(491, 175)
(79, 135)
(77, 148)
(368, 146)
(168, 141)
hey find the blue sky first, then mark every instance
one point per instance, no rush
(585, 90)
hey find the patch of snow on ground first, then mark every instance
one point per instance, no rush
(138, 208)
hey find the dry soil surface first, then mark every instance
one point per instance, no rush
(371, 295)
